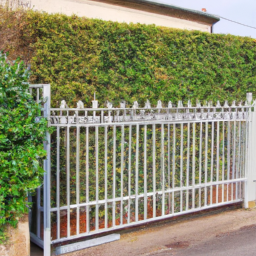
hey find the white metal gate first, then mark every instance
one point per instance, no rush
(110, 168)
(39, 217)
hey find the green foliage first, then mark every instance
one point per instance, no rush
(21, 142)
(138, 62)
(79, 56)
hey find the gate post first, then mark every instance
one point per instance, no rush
(250, 165)
(47, 168)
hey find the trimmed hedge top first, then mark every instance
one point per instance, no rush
(79, 56)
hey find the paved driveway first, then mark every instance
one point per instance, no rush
(240, 242)
(226, 233)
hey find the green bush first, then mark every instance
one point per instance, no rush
(21, 142)
(79, 56)
(138, 62)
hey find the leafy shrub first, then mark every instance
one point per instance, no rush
(21, 142)
(79, 56)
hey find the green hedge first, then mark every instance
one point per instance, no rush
(133, 61)
(79, 56)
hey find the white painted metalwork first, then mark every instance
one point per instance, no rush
(143, 164)
(110, 168)
(42, 94)
(250, 172)
(85, 244)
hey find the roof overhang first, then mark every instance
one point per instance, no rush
(164, 9)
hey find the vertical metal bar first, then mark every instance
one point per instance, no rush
(68, 180)
(242, 151)
(169, 166)
(129, 173)
(77, 179)
(114, 178)
(145, 173)
(154, 170)
(181, 167)
(187, 174)
(212, 154)
(173, 164)
(106, 176)
(248, 155)
(234, 161)
(122, 174)
(47, 176)
(38, 198)
(200, 163)
(218, 161)
(239, 160)
(193, 163)
(87, 182)
(37, 94)
(162, 167)
(242, 155)
(244, 159)
(137, 175)
(228, 159)
(58, 182)
(206, 164)
(97, 176)
(223, 159)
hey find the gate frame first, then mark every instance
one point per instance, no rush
(250, 173)
(46, 243)
(250, 168)
(47, 174)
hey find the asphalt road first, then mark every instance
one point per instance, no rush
(224, 233)
(240, 242)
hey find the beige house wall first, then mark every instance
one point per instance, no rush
(103, 11)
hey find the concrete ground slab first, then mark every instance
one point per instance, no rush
(179, 237)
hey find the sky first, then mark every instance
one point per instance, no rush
(242, 11)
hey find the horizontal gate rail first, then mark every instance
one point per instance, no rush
(148, 194)
(111, 168)
(132, 224)
(117, 167)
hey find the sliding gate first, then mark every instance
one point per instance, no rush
(110, 168)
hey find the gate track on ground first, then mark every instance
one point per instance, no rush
(173, 237)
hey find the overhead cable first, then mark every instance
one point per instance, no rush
(235, 22)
